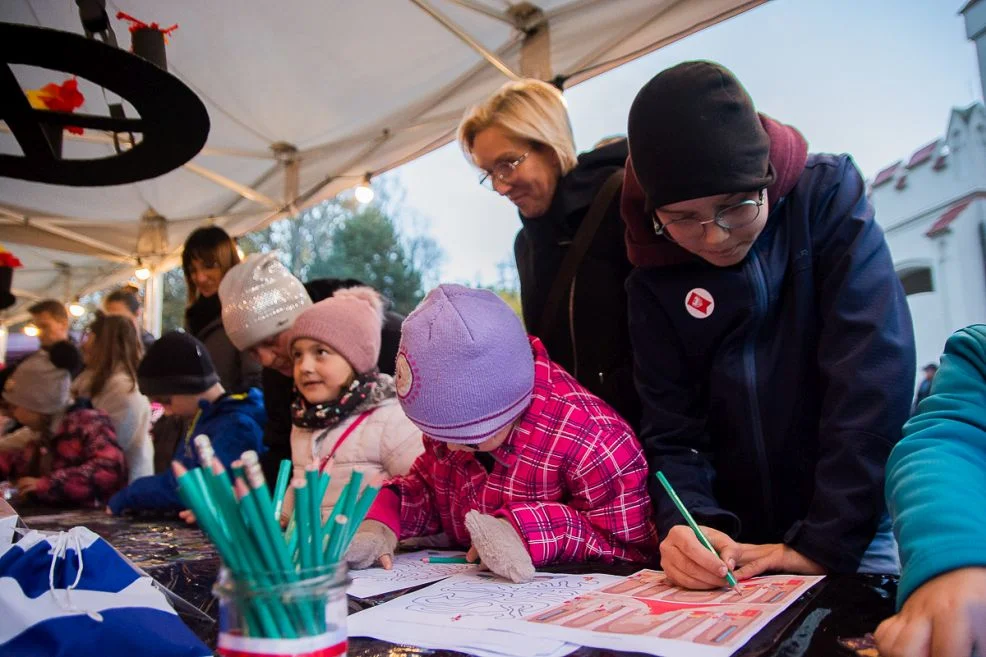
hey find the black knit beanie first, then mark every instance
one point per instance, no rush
(694, 132)
(176, 364)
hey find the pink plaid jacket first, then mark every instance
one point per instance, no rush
(571, 478)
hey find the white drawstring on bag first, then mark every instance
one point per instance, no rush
(60, 549)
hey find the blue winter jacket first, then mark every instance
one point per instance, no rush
(234, 423)
(773, 416)
(936, 476)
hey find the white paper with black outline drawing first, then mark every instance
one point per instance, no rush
(461, 613)
(408, 572)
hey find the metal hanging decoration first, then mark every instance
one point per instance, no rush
(173, 123)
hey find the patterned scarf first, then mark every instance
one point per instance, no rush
(366, 391)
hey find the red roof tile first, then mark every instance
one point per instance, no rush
(886, 174)
(923, 154)
(948, 217)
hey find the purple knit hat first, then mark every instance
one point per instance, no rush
(465, 368)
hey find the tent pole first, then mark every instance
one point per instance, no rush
(229, 183)
(447, 22)
(535, 51)
(153, 303)
(486, 11)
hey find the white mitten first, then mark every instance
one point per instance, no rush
(499, 546)
(373, 540)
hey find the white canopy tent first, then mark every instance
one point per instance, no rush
(305, 99)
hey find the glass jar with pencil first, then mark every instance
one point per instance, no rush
(280, 592)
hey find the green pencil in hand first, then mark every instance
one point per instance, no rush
(730, 579)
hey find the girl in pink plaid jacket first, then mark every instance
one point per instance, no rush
(521, 462)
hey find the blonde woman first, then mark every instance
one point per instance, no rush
(571, 257)
(111, 351)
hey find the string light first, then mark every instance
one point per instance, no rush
(77, 309)
(142, 273)
(363, 191)
(31, 331)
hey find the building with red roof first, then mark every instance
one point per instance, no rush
(932, 207)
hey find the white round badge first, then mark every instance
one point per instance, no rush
(403, 376)
(699, 303)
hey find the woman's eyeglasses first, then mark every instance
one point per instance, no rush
(501, 172)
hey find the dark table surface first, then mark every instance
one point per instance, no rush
(182, 559)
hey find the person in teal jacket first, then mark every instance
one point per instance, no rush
(936, 492)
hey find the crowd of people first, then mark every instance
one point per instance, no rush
(705, 298)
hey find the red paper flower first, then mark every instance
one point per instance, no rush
(137, 24)
(8, 259)
(64, 97)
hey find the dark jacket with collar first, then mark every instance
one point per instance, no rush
(238, 371)
(774, 415)
(278, 388)
(588, 336)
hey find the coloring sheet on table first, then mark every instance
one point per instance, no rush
(645, 613)
(459, 613)
(409, 571)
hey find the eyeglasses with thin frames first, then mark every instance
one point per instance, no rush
(501, 172)
(735, 216)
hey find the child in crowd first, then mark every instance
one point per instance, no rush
(936, 491)
(75, 459)
(344, 411)
(53, 324)
(521, 462)
(111, 351)
(178, 373)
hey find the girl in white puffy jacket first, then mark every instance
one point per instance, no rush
(345, 414)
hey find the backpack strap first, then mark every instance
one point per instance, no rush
(345, 434)
(580, 245)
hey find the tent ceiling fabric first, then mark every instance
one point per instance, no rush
(354, 87)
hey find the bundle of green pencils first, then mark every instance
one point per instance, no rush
(242, 519)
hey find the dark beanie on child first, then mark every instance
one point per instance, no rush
(176, 364)
(694, 132)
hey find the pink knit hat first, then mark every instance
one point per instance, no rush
(350, 322)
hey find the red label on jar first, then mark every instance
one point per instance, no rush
(326, 645)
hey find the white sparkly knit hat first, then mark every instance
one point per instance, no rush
(260, 299)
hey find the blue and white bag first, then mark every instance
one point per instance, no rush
(71, 593)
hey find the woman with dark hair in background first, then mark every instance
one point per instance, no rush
(111, 352)
(208, 254)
